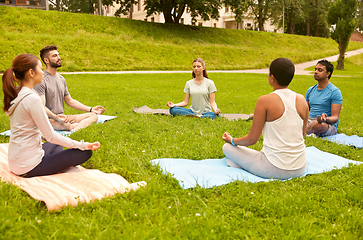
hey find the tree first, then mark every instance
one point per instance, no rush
(342, 15)
(316, 17)
(286, 13)
(259, 9)
(76, 6)
(174, 9)
(238, 7)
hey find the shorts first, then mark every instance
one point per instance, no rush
(331, 130)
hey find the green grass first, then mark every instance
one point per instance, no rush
(96, 43)
(326, 206)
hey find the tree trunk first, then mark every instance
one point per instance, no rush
(316, 21)
(131, 11)
(168, 17)
(99, 7)
(316, 30)
(179, 13)
(260, 16)
(342, 48)
(91, 10)
(57, 3)
(291, 26)
(308, 26)
(260, 25)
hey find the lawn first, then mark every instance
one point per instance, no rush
(96, 43)
(327, 206)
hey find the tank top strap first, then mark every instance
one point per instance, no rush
(288, 98)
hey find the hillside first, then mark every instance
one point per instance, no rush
(96, 43)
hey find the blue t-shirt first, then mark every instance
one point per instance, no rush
(320, 101)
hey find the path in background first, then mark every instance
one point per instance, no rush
(299, 68)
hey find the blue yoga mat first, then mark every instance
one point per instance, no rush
(101, 119)
(215, 172)
(341, 138)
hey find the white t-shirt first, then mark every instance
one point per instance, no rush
(199, 95)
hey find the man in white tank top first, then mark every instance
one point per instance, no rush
(282, 118)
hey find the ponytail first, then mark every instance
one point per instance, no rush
(12, 84)
(9, 87)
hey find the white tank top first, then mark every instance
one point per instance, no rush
(283, 141)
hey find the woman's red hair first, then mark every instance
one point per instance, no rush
(21, 64)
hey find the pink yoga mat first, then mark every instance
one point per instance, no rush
(75, 185)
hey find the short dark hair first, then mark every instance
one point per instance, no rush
(283, 70)
(44, 52)
(328, 65)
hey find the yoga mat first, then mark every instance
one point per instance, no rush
(101, 119)
(215, 172)
(341, 138)
(75, 185)
(229, 116)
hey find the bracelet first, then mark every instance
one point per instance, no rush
(91, 109)
(233, 142)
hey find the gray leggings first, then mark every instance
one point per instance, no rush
(256, 163)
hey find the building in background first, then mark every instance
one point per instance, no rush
(226, 19)
(36, 4)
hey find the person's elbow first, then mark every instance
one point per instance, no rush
(251, 140)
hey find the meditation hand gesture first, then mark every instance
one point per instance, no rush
(62, 118)
(94, 146)
(227, 137)
(170, 104)
(321, 118)
(98, 110)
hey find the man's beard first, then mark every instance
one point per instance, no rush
(55, 64)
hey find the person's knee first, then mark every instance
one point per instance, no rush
(93, 117)
(226, 148)
(175, 111)
(86, 155)
(172, 111)
(319, 128)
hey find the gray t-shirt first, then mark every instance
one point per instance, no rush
(199, 95)
(55, 89)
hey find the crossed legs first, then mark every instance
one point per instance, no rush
(320, 129)
(75, 123)
(180, 111)
(56, 159)
(256, 163)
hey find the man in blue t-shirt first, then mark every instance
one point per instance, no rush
(325, 102)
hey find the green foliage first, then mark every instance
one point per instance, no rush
(327, 205)
(261, 10)
(76, 6)
(96, 43)
(342, 14)
(173, 10)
